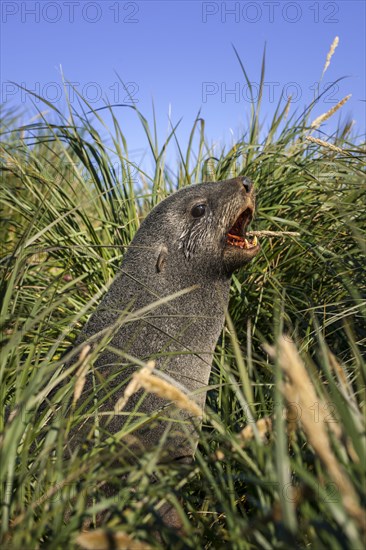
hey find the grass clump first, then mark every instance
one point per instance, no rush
(281, 460)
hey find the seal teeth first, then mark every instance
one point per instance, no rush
(242, 242)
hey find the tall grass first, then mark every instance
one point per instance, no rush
(281, 459)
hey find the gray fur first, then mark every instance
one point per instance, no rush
(171, 251)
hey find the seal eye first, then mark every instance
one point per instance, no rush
(198, 211)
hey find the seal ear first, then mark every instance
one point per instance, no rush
(161, 261)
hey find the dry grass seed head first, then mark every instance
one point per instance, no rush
(133, 386)
(165, 390)
(299, 389)
(151, 383)
(326, 144)
(81, 373)
(322, 118)
(330, 54)
(103, 539)
(264, 427)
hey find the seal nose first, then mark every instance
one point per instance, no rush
(248, 184)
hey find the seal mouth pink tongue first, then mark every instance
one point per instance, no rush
(237, 234)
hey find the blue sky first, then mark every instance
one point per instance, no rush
(180, 55)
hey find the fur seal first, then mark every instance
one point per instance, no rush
(194, 239)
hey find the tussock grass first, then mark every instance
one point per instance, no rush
(281, 459)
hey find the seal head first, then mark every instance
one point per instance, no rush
(207, 223)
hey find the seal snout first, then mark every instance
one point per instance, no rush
(247, 184)
(240, 247)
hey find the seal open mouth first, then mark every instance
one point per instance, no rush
(237, 234)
